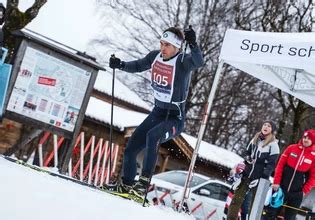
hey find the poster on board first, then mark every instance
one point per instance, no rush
(48, 90)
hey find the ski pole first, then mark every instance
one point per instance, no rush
(111, 121)
(186, 44)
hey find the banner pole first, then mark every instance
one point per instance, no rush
(201, 133)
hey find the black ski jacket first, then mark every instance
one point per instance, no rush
(183, 71)
(261, 160)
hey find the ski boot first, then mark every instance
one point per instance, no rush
(140, 187)
(120, 187)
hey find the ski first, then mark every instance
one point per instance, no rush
(37, 168)
(127, 196)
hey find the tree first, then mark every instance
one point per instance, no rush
(15, 20)
(242, 102)
(283, 16)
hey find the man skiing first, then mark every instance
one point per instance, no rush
(170, 77)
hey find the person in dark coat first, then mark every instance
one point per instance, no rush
(260, 160)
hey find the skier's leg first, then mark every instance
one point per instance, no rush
(161, 133)
(135, 144)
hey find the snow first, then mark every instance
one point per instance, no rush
(214, 153)
(29, 194)
(103, 84)
(123, 118)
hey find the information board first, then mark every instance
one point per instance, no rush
(48, 90)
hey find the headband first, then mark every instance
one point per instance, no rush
(171, 38)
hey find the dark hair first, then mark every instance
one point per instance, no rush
(177, 31)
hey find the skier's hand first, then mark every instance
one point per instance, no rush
(190, 36)
(115, 63)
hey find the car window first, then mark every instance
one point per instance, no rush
(224, 192)
(217, 191)
(179, 178)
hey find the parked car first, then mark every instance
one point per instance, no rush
(212, 193)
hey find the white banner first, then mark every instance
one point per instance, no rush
(292, 50)
(284, 60)
(297, 83)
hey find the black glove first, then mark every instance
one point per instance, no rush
(190, 37)
(115, 63)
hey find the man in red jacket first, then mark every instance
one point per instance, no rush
(295, 172)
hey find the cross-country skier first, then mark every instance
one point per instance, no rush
(170, 77)
(260, 160)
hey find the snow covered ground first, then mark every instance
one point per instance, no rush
(26, 194)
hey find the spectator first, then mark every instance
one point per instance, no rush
(260, 160)
(295, 174)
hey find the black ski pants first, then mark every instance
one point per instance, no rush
(155, 129)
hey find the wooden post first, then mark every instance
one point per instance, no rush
(91, 160)
(164, 165)
(55, 138)
(23, 141)
(98, 160)
(81, 157)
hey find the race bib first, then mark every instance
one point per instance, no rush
(162, 78)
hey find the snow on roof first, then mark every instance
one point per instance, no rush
(214, 153)
(123, 118)
(103, 84)
(60, 47)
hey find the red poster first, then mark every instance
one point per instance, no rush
(46, 81)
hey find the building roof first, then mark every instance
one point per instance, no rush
(122, 118)
(103, 84)
(59, 47)
(214, 153)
